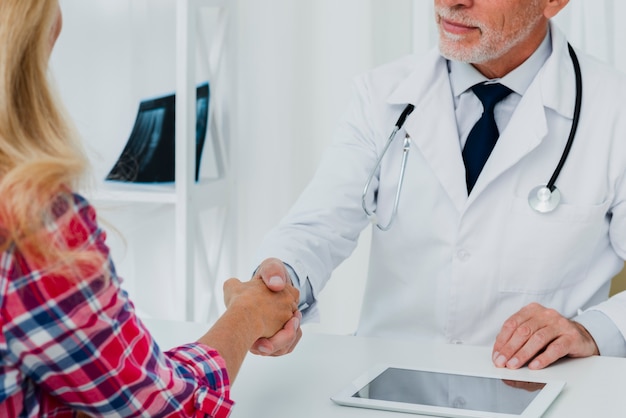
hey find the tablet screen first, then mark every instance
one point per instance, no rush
(451, 391)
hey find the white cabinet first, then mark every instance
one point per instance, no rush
(196, 256)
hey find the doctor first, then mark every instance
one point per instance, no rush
(468, 260)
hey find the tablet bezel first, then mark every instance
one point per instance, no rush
(535, 409)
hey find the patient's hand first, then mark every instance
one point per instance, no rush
(257, 304)
(274, 274)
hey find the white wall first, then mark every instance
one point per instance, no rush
(296, 64)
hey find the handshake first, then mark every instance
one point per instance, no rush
(269, 303)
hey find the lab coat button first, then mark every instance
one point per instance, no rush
(462, 255)
(458, 402)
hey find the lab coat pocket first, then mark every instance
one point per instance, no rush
(543, 252)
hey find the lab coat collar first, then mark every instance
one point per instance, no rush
(428, 89)
(556, 79)
(416, 86)
(463, 76)
(432, 125)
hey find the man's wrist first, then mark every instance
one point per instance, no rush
(606, 335)
(587, 335)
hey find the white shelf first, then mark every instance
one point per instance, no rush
(206, 193)
(135, 193)
(189, 246)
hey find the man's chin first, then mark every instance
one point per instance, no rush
(462, 54)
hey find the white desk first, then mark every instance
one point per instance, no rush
(299, 385)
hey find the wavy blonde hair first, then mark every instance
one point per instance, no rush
(40, 154)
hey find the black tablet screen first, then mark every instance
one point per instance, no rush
(451, 391)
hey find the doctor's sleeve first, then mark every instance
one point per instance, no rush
(606, 322)
(323, 226)
(607, 336)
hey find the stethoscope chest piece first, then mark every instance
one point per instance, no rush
(543, 200)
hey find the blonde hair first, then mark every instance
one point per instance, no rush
(40, 154)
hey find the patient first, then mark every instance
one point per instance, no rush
(71, 340)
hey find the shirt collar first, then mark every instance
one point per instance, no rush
(463, 75)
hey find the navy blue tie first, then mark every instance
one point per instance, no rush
(484, 135)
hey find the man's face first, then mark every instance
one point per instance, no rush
(481, 31)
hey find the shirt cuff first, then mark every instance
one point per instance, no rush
(307, 300)
(607, 336)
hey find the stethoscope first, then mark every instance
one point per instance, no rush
(542, 199)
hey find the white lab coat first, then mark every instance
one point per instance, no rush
(453, 267)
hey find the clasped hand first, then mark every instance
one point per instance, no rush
(274, 274)
(267, 309)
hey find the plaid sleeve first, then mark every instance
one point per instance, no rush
(81, 345)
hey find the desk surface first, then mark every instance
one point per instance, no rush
(300, 384)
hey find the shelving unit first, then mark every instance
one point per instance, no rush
(188, 196)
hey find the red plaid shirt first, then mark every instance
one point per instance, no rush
(68, 345)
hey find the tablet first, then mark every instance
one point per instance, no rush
(449, 394)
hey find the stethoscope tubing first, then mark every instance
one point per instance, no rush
(405, 153)
(577, 107)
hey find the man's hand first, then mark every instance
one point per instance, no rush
(540, 336)
(256, 305)
(273, 272)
